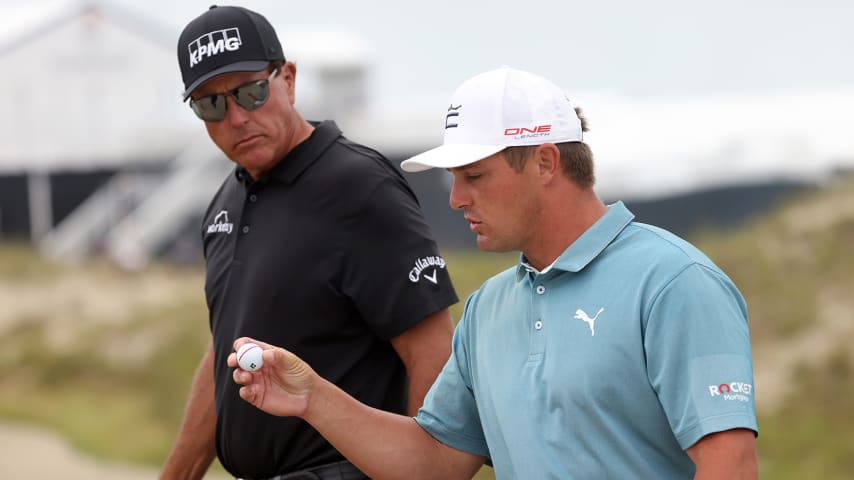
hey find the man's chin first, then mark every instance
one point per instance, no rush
(254, 164)
(487, 245)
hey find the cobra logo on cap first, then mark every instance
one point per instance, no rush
(214, 43)
(453, 113)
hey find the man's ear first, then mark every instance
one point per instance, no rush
(547, 161)
(289, 74)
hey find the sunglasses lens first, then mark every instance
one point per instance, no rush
(210, 108)
(249, 96)
(252, 95)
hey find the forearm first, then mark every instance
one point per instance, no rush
(729, 454)
(422, 374)
(418, 389)
(424, 349)
(382, 444)
(746, 469)
(194, 448)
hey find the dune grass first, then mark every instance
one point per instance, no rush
(810, 437)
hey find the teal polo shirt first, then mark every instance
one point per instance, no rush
(608, 365)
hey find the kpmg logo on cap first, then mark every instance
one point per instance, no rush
(214, 43)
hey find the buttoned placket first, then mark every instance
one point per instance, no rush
(252, 198)
(538, 325)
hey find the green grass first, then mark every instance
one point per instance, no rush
(810, 437)
(95, 399)
(18, 261)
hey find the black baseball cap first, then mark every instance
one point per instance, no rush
(225, 40)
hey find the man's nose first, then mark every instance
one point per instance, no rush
(458, 198)
(234, 113)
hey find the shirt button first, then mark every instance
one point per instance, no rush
(538, 325)
(246, 229)
(253, 198)
(541, 289)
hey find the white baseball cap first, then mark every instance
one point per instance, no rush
(497, 109)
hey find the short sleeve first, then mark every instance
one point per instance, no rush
(393, 271)
(450, 412)
(697, 345)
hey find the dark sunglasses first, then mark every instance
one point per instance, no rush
(249, 96)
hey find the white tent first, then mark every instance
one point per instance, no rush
(87, 84)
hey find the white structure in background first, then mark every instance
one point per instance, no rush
(93, 86)
(87, 86)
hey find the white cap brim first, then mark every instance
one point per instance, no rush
(449, 156)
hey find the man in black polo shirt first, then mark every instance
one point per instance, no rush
(314, 243)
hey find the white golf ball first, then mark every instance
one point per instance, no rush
(249, 357)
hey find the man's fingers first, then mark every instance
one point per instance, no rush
(272, 355)
(248, 394)
(269, 353)
(241, 376)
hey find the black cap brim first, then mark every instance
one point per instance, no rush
(247, 66)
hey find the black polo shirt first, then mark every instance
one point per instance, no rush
(328, 256)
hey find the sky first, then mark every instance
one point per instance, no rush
(663, 47)
(635, 48)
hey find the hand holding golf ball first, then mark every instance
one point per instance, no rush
(249, 357)
(281, 384)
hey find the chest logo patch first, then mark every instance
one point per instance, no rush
(582, 315)
(425, 263)
(221, 224)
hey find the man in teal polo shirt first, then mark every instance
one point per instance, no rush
(613, 350)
